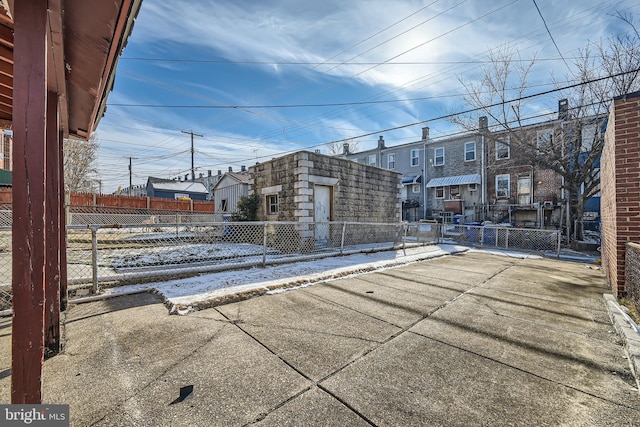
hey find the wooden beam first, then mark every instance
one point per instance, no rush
(57, 73)
(28, 247)
(52, 225)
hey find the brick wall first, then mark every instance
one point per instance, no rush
(360, 193)
(620, 182)
(632, 273)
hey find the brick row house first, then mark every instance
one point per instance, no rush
(486, 175)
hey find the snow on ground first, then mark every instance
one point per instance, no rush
(187, 294)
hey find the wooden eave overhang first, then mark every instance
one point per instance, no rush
(86, 39)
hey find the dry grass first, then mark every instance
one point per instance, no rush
(632, 310)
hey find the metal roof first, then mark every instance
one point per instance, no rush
(454, 180)
(411, 179)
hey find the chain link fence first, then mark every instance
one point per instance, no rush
(526, 239)
(103, 253)
(111, 247)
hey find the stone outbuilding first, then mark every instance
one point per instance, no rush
(312, 187)
(317, 191)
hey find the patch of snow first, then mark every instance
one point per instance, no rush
(185, 293)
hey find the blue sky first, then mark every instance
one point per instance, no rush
(255, 78)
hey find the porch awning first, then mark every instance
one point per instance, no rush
(411, 179)
(454, 180)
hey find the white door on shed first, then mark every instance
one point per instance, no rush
(322, 212)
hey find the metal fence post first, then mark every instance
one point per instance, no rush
(264, 244)
(482, 236)
(558, 243)
(405, 227)
(94, 257)
(344, 228)
(506, 243)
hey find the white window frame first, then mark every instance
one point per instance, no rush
(466, 151)
(439, 190)
(415, 157)
(436, 156)
(453, 194)
(508, 192)
(415, 188)
(503, 145)
(272, 207)
(391, 161)
(473, 186)
(373, 160)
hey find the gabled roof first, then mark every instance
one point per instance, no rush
(235, 177)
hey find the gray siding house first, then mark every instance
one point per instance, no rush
(228, 190)
(172, 189)
(409, 160)
(455, 168)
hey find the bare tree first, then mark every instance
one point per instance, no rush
(79, 167)
(337, 148)
(574, 148)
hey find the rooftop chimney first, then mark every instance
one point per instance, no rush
(219, 172)
(186, 177)
(425, 133)
(483, 124)
(380, 142)
(345, 148)
(563, 109)
(200, 176)
(209, 172)
(243, 168)
(230, 169)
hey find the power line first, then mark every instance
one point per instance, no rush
(550, 36)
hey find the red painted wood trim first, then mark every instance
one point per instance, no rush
(29, 119)
(63, 228)
(52, 221)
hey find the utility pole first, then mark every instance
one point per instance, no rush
(193, 170)
(130, 176)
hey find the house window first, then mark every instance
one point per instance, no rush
(272, 204)
(415, 157)
(503, 184)
(473, 186)
(372, 160)
(438, 156)
(415, 188)
(391, 161)
(454, 191)
(439, 192)
(223, 205)
(544, 140)
(469, 151)
(503, 149)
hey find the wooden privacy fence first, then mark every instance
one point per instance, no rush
(121, 201)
